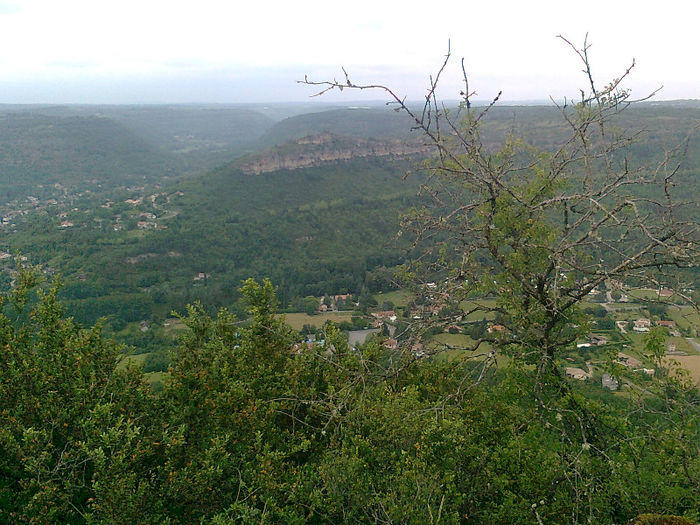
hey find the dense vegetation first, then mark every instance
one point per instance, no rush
(248, 430)
(250, 425)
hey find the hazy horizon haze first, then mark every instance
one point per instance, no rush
(128, 52)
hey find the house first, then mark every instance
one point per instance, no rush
(134, 202)
(667, 324)
(496, 328)
(665, 292)
(583, 345)
(416, 314)
(417, 350)
(66, 224)
(576, 373)
(385, 316)
(609, 382)
(598, 340)
(642, 325)
(391, 344)
(628, 361)
(200, 276)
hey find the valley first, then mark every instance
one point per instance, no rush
(261, 282)
(312, 201)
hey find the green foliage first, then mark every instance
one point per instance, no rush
(249, 429)
(56, 381)
(654, 344)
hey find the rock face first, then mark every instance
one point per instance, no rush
(315, 150)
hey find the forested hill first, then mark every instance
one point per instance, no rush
(314, 228)
(39, 151)
(103, 148)
(313, 231)
(204, 136)
(363, 122)
(661, 123)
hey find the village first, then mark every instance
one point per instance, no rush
(85, 209)
(621, 316)
(614, 348)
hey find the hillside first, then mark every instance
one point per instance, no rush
(204, 136)
(313, 230)
(325, 147)
(75, 153)
(361, 122)
(317, 214)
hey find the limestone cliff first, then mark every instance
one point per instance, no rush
(315, 150)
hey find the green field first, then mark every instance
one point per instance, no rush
(478, 315)
(682, 345)
(400, 298)
(137, 359)
(298, 320)
(685, 318)
(457, 340)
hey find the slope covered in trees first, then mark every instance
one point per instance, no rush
(38, 152)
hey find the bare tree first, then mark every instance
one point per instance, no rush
(523, 236)
(526, 234)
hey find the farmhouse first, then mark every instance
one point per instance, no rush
(642, 325)
(576, 373)
(388, 315)
(628, 361)
(609, 382)
(598, 340)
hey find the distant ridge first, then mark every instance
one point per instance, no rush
(362, 122)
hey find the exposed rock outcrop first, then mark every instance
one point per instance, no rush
(315, 150)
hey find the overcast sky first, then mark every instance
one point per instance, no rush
(168, 51)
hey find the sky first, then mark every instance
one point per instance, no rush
(242, 51)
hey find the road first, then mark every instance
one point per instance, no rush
(693, 343)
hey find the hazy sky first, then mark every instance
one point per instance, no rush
(152, 51)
